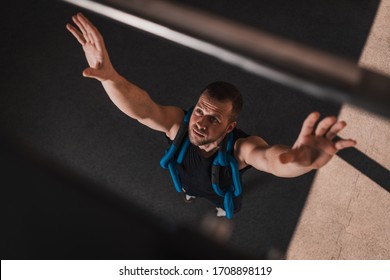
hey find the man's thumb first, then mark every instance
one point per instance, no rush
(90, 73)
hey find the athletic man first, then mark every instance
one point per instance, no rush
(213, 117)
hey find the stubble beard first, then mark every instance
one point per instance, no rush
(200, 141)
(197, 140)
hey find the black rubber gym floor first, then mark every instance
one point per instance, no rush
(81, 180)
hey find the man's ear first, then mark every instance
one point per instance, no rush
(231, 126)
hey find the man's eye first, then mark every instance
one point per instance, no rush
(198, 111)
(214, 120)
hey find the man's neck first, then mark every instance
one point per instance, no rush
(207, 152)
(210, 148)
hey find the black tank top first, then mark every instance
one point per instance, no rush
(195, 174)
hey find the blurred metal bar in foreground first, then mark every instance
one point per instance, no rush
(310, 71)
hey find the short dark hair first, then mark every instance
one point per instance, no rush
(222, 91)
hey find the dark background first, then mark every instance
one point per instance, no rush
(82, 180)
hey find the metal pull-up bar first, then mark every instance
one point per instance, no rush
(308, 70)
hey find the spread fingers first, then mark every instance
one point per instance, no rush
(308, 124)
(342, 144)
(335, 129)
(324, 125)
(76, 34)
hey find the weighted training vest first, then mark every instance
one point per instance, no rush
(225, 158)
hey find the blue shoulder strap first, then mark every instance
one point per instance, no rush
(226, 158)
(169, 160)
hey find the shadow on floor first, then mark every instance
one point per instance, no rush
(367, 166)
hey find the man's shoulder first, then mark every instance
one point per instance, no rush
(239, 133)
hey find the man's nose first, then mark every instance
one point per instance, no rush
(201, 123)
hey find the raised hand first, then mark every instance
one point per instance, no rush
(314, 146)
(94, 48)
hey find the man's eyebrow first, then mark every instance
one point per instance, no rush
(215, 114)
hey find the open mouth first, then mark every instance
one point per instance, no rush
(198, 133)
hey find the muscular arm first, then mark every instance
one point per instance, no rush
(313, 149)
(256, 152)
(129, 98)
(137, 104)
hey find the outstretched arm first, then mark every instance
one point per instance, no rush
(128, 97)
(313, 148)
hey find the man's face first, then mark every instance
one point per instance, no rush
(210, 121)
